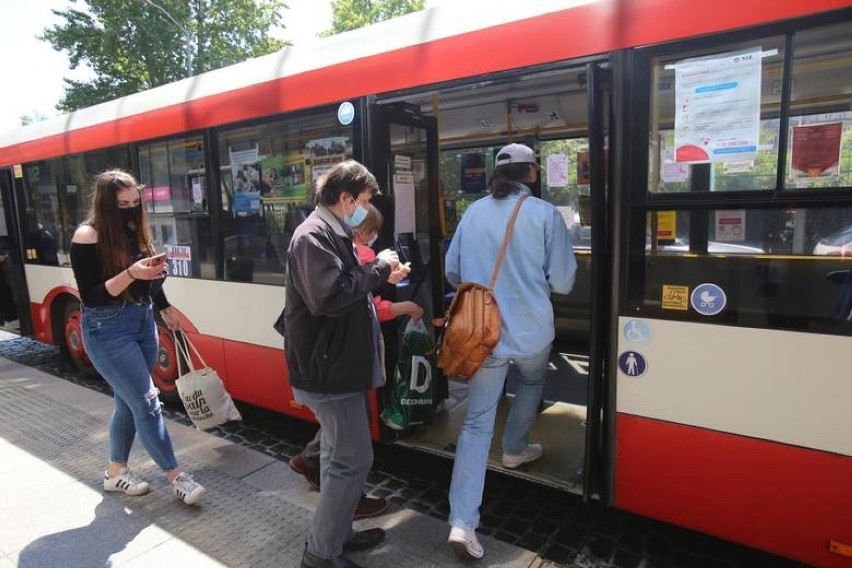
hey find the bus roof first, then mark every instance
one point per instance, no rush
(438, 44)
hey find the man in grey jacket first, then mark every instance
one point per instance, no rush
(332, 346)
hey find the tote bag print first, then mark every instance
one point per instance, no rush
(412, 394)
(202, 392)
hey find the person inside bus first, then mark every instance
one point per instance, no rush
(307, 463)
(40, 241)
(332, 345)
(539, 261)
(120, 282)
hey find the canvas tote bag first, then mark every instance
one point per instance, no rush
(202, 392)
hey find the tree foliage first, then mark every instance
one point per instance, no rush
(354, 14)
(132, 45)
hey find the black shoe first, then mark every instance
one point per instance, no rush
(363, 540)
(311, 561)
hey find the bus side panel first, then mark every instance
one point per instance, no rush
(259, 376)
(780, 498)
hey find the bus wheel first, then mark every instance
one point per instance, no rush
(73, 344)
(166, 367)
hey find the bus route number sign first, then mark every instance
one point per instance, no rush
(180, 261)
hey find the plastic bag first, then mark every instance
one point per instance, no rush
(413, 390)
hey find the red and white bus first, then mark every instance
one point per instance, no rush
(701, 154)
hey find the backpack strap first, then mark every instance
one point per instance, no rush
(505, 246)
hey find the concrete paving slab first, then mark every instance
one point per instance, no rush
(173, 553)
(256, 514)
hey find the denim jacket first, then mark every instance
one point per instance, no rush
(539, 260)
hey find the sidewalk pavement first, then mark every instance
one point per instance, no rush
(53, 512)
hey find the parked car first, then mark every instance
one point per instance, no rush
(836, 244)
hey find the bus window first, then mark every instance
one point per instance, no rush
(42, 219)
(778, 268)
(268, 173)
(175, 195)
(757, 170)
(819, 147)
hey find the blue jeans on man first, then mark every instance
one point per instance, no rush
(485, 389)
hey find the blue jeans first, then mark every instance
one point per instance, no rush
(121, 342)
(485, 392)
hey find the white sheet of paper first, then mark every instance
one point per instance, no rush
(403, 192)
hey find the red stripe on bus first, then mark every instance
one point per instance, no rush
(588, 29)
(784, 499)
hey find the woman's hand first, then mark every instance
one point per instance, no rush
(170, 318)
(409, 309)
(154, 268)
(399, 274)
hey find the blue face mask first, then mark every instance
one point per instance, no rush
(357, 216)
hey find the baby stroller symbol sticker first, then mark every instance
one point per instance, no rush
(708, 299)
(632, 364)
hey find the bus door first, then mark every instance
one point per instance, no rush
(596, 471)
(402, 152)
(14, 299)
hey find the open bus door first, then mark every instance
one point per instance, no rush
(402, 152)
(597, 470)
(14, 298)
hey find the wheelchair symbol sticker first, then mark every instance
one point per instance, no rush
(632, 364)
(637, 331)
(708, 299)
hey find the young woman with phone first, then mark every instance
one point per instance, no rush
(120, 282)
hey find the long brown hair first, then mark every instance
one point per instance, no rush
(105, 217)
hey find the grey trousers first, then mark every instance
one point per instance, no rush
(311, 453)
(346, 456)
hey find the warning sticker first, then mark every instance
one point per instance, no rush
(675, 297)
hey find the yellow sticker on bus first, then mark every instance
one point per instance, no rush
(675, 297)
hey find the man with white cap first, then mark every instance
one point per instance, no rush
(539, 260)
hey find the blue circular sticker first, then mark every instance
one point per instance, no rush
(632, 364)
(637, 331)
(708, 299)
(346, 113)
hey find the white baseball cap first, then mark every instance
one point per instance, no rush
(515, 154)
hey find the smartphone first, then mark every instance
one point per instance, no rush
(158, 259)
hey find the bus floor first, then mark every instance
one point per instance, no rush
(560, 426)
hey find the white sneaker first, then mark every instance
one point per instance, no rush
(127, 482)
(531, 453)
(465, 544)
(187, 490)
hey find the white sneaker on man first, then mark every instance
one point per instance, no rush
(465, 544)
(126, 482)
(187, 489)
(531, 453)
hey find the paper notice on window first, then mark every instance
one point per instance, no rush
(730, 225)
(672, 172)
(717, 107)
(816, 151)
(403, 193)
(557, 170)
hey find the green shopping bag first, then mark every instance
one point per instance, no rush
(413, 389)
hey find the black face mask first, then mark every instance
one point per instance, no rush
(130, 213)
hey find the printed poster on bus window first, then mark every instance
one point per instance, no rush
(245, 175)
(322, 154)
(284, 176)
(472, 173)
(717, 107)
(816, 151)
(557, 170)
(730, 225)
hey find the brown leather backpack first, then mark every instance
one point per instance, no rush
(471, 328)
